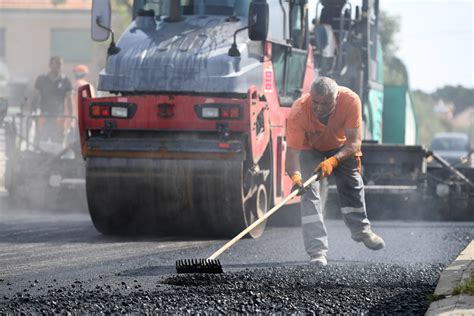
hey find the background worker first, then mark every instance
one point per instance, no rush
(80, 73)
(54, 90)
(324, 135)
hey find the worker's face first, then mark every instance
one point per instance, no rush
(323, 105)
(56, 65)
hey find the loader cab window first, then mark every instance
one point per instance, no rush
(215, 7)
(278, 59)
(196, 7)
(298, 27)
(289, 65)
(295, 73)
(289, 62)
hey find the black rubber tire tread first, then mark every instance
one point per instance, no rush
(173, 197)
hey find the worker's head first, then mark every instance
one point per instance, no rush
(80, 71)
(323, 96)
(55, 64)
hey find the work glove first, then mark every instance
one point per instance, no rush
(327, 166)
(298, 183)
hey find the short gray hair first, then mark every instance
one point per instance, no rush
(324, 86)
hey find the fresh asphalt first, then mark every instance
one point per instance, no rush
(58, 263)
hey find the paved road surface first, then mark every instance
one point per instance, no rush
(66, 247)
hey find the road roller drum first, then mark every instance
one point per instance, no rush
(171, 196)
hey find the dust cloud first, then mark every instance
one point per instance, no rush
(41, 168)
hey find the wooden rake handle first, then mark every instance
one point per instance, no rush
(260, 220)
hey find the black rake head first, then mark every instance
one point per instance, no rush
(198, 266)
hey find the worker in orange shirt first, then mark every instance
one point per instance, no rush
(80, 73)
(324, 135)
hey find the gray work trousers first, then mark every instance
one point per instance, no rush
(350, 189)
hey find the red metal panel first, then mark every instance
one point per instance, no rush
(184, 116)
(83, 93)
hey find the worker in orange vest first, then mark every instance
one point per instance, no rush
(80, 73)
(324, 135)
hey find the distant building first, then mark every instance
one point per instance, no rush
(31, 31)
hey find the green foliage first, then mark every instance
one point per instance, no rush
(122, 15)
(466, 287)
(395, 71)
(121, 18)
(433, 298)
(429, 122)
(388, 28)
(461, 97)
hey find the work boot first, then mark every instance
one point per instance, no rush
(372, 241)
(318, 260)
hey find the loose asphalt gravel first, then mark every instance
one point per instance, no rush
(338, 288)
(66, 267)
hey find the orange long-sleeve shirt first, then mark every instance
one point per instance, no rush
(304, 130)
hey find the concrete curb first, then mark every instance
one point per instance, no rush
(459, 270)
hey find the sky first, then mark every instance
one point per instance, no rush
(436, 41)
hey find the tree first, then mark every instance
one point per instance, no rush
(395, 71)
(127, 4)
(428, 122)
(121, 18)
(461, 97)
(388, 29)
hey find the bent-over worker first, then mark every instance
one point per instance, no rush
(324, 135)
